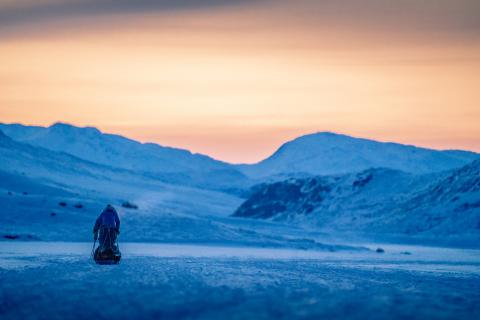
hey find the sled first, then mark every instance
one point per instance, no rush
(108, 251)
(107, 256)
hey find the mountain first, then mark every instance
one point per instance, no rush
(91, 144)
(328, 153)
(49, 195)
(170, 165)
(42, 167)
(449, 206)
(26, 166)
(322, 153)
(321, 199)
(375, 201)
(61, 170)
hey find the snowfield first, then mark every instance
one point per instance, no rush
(51, 280)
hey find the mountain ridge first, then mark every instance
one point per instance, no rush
(380, 201)
(165, 163)
(320, 153)
(332, 153)
(377, 199)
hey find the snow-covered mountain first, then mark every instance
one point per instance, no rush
(375, 201)
(53, 195)
(328, 153)
(449, 206)
(170, 165)
(315, 154)
(178, 192)
(322, 198)
(62, 170)
(50, 195)
(91, 144)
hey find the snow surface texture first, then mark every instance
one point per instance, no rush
(57, 281)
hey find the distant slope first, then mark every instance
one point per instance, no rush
(23, 161)
(49, 195)
(328, 153)
(40, 191)
(375, 201)
(449, 206)
(167, 164)
(21, 184)
(322, 199)
(315, 154)
(28, 167)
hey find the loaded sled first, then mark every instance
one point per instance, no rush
(107, 256)
(108, 251)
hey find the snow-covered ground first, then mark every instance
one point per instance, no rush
(53, 280)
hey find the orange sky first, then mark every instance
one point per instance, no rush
(234, 82)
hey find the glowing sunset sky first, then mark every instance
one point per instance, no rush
(235, 79)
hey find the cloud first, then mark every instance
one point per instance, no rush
(412, 15)
(30, 12)
(435, 18)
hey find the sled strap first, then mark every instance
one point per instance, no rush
(93, 248)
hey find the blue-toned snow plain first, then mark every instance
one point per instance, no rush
(52, 280)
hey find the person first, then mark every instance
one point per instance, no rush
(107, 228)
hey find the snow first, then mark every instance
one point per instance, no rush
(327, 153)
(318, 154)
(166, 212)
(115, 151)
(378, 201)
(177, 213)
(59, 281)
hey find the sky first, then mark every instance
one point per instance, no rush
(236, 79)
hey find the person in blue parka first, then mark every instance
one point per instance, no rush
(107, 228)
